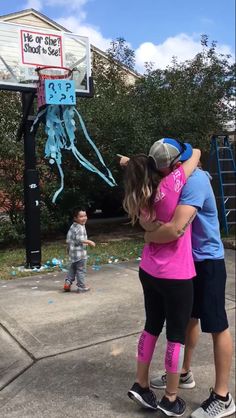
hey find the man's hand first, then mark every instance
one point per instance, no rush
(174, 229)
(123, 160)
(149, 226)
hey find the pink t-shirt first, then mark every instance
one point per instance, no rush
(173, 260)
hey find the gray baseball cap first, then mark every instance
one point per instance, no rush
(168, 150)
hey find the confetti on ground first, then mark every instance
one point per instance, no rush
(55, 263)
(96, 268)
(116, 351)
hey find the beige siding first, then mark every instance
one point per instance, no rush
(130, 76)
(31, 20)
(131, 79)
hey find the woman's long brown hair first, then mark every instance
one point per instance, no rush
(140, 184)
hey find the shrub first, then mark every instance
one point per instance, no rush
(11, 233)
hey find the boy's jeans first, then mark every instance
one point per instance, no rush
(77, 271)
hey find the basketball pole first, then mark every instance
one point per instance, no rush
(31, 185)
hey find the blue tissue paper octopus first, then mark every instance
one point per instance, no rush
(60, 129)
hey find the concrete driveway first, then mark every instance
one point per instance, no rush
(73, 355)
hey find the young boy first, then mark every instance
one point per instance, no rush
(77, 248)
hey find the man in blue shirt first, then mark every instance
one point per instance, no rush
(197, 206)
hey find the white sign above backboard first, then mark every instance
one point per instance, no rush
(41, 49)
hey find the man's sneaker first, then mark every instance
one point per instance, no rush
(143, 396)
(67, 286)
(215, 407)
(82, 289)
(172, 409)
(186, 381)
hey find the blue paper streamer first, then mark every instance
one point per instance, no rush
(60, 129)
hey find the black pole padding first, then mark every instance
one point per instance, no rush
(31, 188)
(27, 105)
(32, 218)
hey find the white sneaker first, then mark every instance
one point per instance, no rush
(186, 381)
(82, 289)
(213, 407)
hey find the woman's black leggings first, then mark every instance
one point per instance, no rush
(170, 300)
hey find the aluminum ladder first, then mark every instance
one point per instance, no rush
(222, 162)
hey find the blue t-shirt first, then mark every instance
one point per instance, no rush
(206, 240)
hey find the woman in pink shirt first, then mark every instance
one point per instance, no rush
(152, 189)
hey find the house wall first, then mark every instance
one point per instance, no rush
(31, 20)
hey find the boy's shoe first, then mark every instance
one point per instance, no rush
(82, 289)
(172, 409)
(143, 396)
(214, 407)
(186, 381)
(67, 286)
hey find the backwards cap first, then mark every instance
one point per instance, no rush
(167, 151)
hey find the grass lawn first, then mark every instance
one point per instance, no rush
(104, 252)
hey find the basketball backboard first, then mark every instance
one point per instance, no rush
(25, 48)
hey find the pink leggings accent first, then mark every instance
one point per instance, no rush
(146, 347)
(174, 357)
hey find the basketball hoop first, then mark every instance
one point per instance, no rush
(61, 83)
(53, 73)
